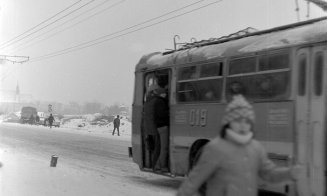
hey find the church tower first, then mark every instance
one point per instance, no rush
(17, 94)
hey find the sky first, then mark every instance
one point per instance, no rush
(112, 36)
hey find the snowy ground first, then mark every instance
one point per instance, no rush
(84, 126)
(29, 175)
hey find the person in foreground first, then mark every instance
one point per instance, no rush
(232, 163)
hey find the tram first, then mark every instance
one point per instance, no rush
(282, 71)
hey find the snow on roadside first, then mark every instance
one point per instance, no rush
(87, 124)
(26, 174)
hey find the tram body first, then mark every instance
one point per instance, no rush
(281, 71)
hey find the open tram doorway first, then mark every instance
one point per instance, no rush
(161, 79)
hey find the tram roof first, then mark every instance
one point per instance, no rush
(294, 34)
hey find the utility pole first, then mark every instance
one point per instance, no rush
(12, 58)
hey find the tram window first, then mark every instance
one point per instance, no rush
(273, 61)
(243, 65)
(260, 86)
(201, 90)
(210, 90)
(318, 73)
(186, 73)
(236, 88)
(150, 79)
(302, 75)
(162, 78)
(212, 69)
(186, 92)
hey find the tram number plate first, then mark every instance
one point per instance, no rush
(198, 117)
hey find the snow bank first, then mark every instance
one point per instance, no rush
(12, 117)
(97, 125)
(89, 124)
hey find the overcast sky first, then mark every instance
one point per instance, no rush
(103, 70)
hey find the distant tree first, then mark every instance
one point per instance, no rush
(57, 107)
(114, 109)
(105, 111)
(75, 108)
(117, 109)
(72, 108)
(38, 104)
(92, 107)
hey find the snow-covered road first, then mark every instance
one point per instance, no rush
(90, 163)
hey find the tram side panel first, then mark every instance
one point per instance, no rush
(137, 119)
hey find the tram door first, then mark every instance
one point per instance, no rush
(162, 79)
(311, 106)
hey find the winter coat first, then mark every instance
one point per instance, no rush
(116, 122)
(161, 112)
(51, 119)
(230, 169)
(148, 116)
(32, 118)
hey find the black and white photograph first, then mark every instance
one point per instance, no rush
(163, 98)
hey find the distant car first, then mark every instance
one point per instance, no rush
(12, 118)
(56, 122)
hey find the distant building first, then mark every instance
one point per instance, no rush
(13, 100)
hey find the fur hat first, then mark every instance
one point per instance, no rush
(238, 108)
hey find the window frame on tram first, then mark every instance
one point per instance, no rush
(269, 77)
(152, 77)
(302, 73)
(195, 89)
(269, 74)
(318, 73)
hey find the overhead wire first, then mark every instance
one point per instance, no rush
(65, 29)
(42, 22)
(149, 20)
(49, 24)
(89, 43)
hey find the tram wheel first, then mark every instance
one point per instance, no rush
(193, 162)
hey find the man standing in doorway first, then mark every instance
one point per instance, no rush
(161, 118)
(156, 122)
(116, 125)
(152, 138)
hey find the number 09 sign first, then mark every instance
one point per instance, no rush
(198, 117)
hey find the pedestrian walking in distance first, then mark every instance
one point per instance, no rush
(50, 119)
(116, 125)
(231, 163)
